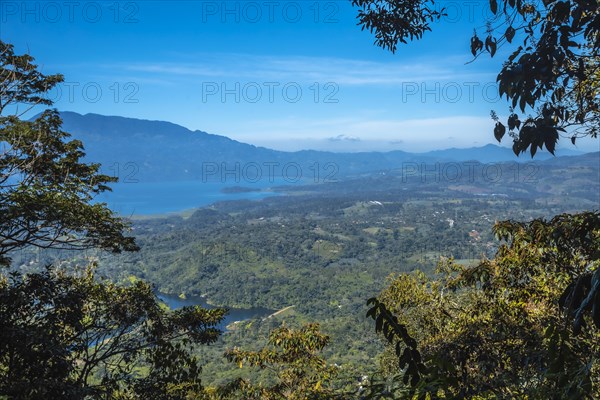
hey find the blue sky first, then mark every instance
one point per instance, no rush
(282, 74)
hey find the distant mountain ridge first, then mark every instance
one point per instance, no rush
(159, 150)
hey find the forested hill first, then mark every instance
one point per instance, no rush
(164, 151)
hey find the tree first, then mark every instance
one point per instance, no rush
(46, 190)
(502, 328)
(553, 74)
(21, 83)
(292, 356)
(71, 336)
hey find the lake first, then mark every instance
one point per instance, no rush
(235, 314)
(147, 198)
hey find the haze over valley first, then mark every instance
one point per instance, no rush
(300, 200)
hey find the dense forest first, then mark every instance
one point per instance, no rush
(382, 285)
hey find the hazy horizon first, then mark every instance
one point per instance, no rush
(285, 75)
(349, 144)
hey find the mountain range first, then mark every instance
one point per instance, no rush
(163, 151)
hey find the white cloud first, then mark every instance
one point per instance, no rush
(342, 138)
(374, 134)
(349, 72)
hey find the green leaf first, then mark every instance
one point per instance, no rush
(372, 312)
(490, 45)
(494, 6)
(551, 142)
(476, 45)
(379, 323)
(499, 131)
(516, 148)
(533, 150)
(513, 122)
(509, 34)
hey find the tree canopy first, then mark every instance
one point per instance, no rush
(503, 328)
(46, 189)
(292, 355)
(69, 334)
(73, 336)
(552, 73)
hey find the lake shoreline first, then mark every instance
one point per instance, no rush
(235, 314)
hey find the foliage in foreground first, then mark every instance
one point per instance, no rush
(509, 327)
(551, 77)
(292, 356)
(70, 336)
(46, 190)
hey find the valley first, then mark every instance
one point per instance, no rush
(290, 251)
(325, 248)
